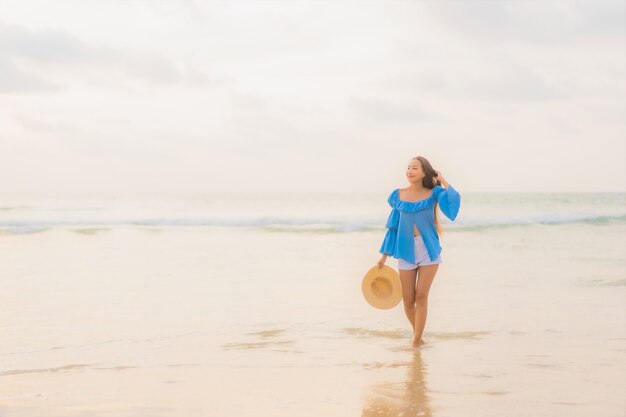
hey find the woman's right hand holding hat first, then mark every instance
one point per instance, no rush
(381, 261)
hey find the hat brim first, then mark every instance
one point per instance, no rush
(382, 287)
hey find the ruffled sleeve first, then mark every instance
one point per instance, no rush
(389, 241)
(449, 200)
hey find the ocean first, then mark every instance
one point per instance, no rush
(232, 305)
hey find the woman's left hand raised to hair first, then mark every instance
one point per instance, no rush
(441, 179)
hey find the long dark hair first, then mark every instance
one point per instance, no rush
(429, 181)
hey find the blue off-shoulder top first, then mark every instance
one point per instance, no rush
(399, 240)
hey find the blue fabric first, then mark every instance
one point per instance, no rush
(399, 240)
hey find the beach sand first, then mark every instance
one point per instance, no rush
(210, 321)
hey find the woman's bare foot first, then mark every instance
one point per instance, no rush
(415, 343)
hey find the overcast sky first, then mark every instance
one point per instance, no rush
(166, 96)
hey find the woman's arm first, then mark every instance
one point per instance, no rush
(449, 198)
(389, 241)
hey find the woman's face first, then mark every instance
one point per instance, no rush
(414, 171)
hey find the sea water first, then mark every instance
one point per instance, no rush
(233, 305)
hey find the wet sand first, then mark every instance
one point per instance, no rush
(191, 322)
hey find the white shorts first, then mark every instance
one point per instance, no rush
(421, 256)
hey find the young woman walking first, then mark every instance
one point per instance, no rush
(413, 236)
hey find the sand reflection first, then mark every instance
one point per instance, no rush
(405, 398)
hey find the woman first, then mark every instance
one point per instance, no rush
(413, 236)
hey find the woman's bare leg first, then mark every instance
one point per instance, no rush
(426, 274)
(407, 277)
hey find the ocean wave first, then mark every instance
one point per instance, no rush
(294, 225)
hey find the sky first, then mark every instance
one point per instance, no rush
(264, 96)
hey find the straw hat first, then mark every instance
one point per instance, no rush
(382, 287)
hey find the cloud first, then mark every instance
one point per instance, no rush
(553, 21)
(57, 53)
(42, 46)
(507, 81)
(15, 80)
(483, 78)
(380, 110)
(211, 94)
